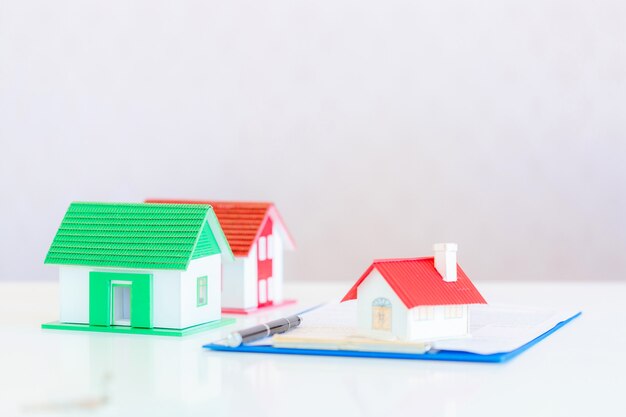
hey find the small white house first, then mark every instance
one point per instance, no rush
(258, 238)
(139, 268)
(415, 299)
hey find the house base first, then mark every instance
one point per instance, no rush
(226, 310)
(56, 325)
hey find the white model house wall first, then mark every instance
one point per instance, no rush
(166, 292)
(232, 283)
(407, 324)
(190, 313)
(74, 294)
(166, 299)
(240, 279)
(438, 326)
(239, 282)
(374, 286)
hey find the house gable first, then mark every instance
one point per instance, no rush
(206, 245)
(374, 288)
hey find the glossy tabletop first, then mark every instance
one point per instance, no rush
(578, 371)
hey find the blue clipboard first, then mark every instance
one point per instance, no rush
(440, 355)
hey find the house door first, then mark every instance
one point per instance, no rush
(265, 253)
(381, 314)
(120, 304)
(119, 298)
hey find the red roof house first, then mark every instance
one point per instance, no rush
(417, 298)
(257, 236)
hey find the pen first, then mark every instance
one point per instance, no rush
(263, 330)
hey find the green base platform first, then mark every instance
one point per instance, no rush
(56, 325)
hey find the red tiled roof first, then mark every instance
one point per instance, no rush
(241, 221)
(417, 283)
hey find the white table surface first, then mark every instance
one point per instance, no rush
(578, 371)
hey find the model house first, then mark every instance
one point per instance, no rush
(139, 268)
(258, 238)
(415, 299)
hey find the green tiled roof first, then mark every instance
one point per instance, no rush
(137, 235)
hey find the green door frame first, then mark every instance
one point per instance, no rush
(100, 301)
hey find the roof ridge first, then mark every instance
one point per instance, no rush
(209, 202)
(268, 203)
(390, 260)
(136, 204)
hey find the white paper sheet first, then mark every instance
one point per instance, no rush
(494, 329)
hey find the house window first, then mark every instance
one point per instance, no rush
(262, 248)
(381, 314)
(453, 312)
(425, 313)
(201, 291)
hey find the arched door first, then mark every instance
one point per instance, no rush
(381, 314)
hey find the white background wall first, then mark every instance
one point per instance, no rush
(379, 127)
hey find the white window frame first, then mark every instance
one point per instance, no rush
(202, 291)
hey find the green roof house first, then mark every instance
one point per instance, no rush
(139, 268)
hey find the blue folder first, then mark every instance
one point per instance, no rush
(439, 355)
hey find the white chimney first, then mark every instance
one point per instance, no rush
(445, 260)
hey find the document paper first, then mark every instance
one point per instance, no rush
(494, 329)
